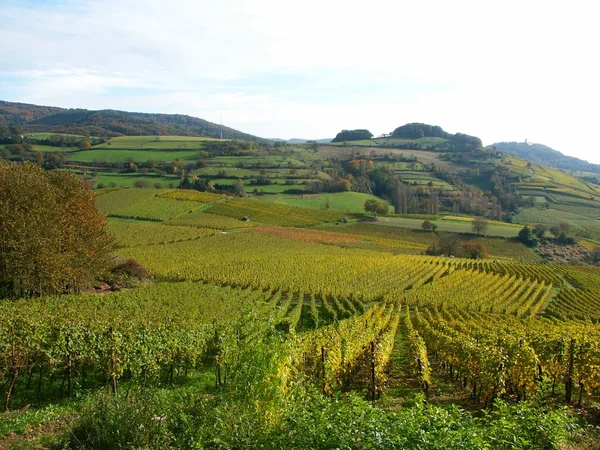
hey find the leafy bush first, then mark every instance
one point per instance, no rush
(158, 420)
(527, 236)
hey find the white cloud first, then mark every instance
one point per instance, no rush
(503, 71)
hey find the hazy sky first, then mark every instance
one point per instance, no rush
(501, 70)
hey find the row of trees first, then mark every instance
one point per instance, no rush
(532, 236)
(352, 135)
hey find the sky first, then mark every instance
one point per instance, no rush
(500, 70)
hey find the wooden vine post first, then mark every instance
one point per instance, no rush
(323, 360)
(373, 374)
(569, 381)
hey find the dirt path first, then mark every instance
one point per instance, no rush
(403, 387)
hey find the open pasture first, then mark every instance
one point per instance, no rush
(155, 142)
(111, 155)
(506, 231)
(44, 136)
(353, 202)
(254, 161)
(128, 179)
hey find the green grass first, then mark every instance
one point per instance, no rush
(586, 211)
(452, 227)
(117, 155)
(379, 236)
(342, 201)
(543, 215)
(402, 166)
(423, 179)
(50, 149)
(48, 135)
(361, 142)
(129, 179)
(254, 160)
(562, 198)
(274, 188)
(155, 142)
(227, 181)
(580, 225)
(213, 171)
(424, 142)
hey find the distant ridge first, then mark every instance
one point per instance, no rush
(542, 154)
(109, 123)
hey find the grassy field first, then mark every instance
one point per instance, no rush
(384, 238)
(449, 226)
(424, 180)
(253, 161)
(541, 176)
(423, 156)
(129, 179)
(343, 201)
(543, 215)
(50, 148)
(586, 211)
(424, 142)
(116, 155)
(155, 142)
(275, 188)
(48, 135)
(582, 225)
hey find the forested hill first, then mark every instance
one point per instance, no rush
(17, 114)
(541, 154)
(34, 118)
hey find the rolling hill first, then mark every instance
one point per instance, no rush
(542, 154)
(110, 123)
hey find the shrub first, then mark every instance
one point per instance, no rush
(527, 236)
(474, 250)
(141, 184)
(132, 268)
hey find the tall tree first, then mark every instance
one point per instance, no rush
(238, 188)
(52, 237)
(479, 225)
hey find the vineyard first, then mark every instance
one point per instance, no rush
(131, 233)
(273, 213)
(302, 308)
(203, 220)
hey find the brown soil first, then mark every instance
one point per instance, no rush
(563, 254)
